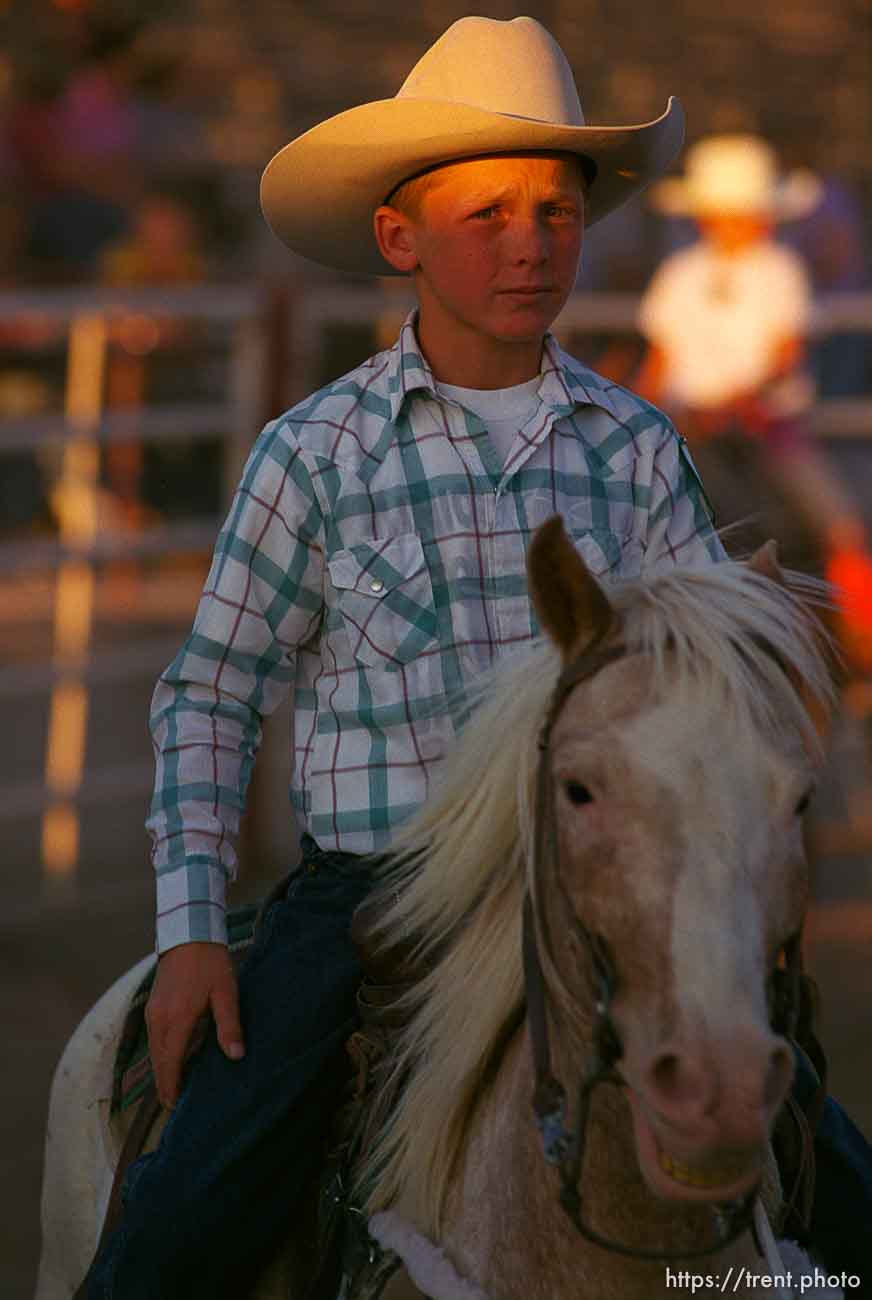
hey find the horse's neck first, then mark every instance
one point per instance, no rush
(505, 1227)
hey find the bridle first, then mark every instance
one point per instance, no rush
(562, 1147)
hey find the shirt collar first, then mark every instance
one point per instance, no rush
(566, 383)
(408, 369)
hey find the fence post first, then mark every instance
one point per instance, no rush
(75, 501)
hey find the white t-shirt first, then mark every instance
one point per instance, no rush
(504, 410)
(719, 319)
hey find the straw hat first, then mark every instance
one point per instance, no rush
(486, 86)
(736, 174)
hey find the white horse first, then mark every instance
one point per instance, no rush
(676, 771)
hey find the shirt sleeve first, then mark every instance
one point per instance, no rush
(262, 599)
(680, 519)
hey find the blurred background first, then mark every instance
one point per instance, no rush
(150, 324)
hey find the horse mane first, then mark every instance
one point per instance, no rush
(721, 635)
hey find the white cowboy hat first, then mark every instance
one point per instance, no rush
(736, 174)
(485, 87)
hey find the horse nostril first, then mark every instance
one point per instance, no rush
(668, 1077)
(680, 1088)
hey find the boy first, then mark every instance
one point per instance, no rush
(375, 558)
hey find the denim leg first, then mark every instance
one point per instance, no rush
(841, 1219)
(203, 1212)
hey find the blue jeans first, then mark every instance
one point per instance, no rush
(203, 1212)
(841, 1217)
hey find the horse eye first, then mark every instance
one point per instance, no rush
(577, 793)
(804, 802)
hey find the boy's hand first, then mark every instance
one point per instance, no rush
(191, 980)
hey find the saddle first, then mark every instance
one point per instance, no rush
(343, 1247)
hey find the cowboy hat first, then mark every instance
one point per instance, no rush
(486, 86)
(736, 174)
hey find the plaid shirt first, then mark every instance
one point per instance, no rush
(374, 559)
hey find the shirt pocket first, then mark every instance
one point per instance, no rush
(385, 599)
(607, 555)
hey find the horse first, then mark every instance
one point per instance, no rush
(601, 891)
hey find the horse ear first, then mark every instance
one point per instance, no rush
(571, 605)
(765, 562)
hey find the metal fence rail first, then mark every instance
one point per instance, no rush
(84, 325)
(242, 319)
(588, 313)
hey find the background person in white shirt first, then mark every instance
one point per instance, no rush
(725, 320)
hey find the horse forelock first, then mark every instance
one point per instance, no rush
(719, 639)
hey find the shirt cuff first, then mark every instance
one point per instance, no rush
(191, 905)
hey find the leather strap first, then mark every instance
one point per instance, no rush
(549, 1095)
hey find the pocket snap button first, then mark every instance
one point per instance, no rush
(376, 585)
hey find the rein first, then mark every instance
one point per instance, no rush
(561, 1147)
